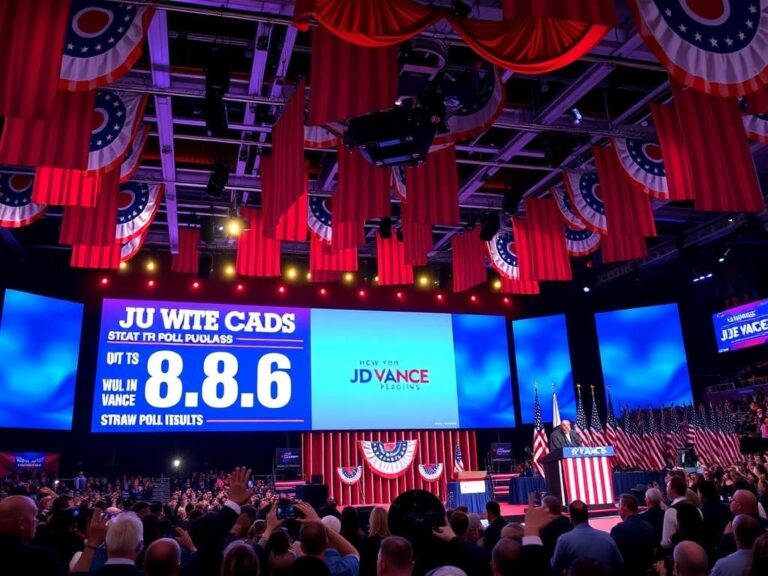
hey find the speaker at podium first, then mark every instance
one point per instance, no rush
(580, 473)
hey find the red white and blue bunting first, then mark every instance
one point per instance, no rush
(16, 206)
(566, 209)
(581, 242)
(719, 47)
(317, 137)
(116, 119)
(103, 42)
(389, 459)
(133, 155)
(350, 475)
(643, 163)
(131, 248)
(137, 205)
(756, 126)
(582, 189)
(431, 472)
(319, 217)
(503, 257)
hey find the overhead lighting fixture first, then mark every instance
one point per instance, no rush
(349, 277)
(151, 266)
(123, 265)
(291, 273)
(586, 289)
(576, 116)
(424, 281)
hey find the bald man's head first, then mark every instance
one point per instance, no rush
(163, 558)
(505, 558)
(743, 502)
(745, 531)
(690, 559)
(18, 517)
(513, 531)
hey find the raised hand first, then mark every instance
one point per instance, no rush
(239, 492)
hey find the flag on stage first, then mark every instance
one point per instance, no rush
(540, 448)
(654, 445)
(614, 435)
(555, 409)
(103, 42)
(581, 420)
(728, 429)
(458, 461)
(595, 426)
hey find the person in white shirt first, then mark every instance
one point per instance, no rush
(671, 531)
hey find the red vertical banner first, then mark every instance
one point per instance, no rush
(322, 258)
(390, 257)
(677, 166)
(186, 261)
(468, 260)
(64, 187)
(417, 238)
(617, 248)
(257, 255)
(433, 189)
(95, 226)
(363, 190)
(546, 249)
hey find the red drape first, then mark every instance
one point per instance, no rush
(64, 187)
(257, 255)
(511, 286)
(324, 452)
(33, 33)
(283, 172)
(347, 235)
(722, 168)
(676, 164)
(542, 39)
(324, 259)
(757, 102)
(363, 190)
(417, 238)
(326, 276)
(100, 257)
(390, 258)
(61, 140)
(542, 253)
(627, 209)
(618, 248)
(468, 260)
(187, 260)
(433, 189)
(349, 80)
(95, 226)
(292, 225)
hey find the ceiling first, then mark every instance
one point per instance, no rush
(519, 156)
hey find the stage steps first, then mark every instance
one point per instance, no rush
(500, 483)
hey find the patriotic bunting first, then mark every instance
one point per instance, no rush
(390, 459)
(350, 475)
(16, 206)
(103, 41)
(583, 190)
(756, 126)
(116, 118)
(131, 248)
(573, 220)
(504, 261)
(392, 267)
(644, 164)
(714, 47)
(133, 155)
(318, 138)
(137, 206)
(430, 472)
(319, 217)
(398, 182)
(581, 242)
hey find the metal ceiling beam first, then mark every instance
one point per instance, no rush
(160, 60)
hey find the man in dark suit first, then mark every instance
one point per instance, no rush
(18, 520)
(654, 515)
(557, 527)
(564, 436)
(492, 534)
(635, 538)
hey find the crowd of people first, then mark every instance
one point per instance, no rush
(712, 522)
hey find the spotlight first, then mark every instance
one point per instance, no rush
(586, 289)
(349, 277)
(281, 289)
(104, 281)
(721, 259)
(240, 287)
(291, 273)
(439, 297)
(151, 284)
(176, 463)
(218, 179)
(506, 300)
(151, 266)
(361, 293)
(424, 281)
(229, 270)
(400, 295)
(235, 226)
(123, 265)
(309, 275)
(323, 292)
(195, 285)
(576, 116)
(473, 298)
(376, 279)
(497, 284)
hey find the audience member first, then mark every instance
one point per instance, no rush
(240, 559)
(654, 514)
(557, 527)
(162, 558)
(18, 520)
(635, 538)
(682, 520)
(745, 532)
(495, 524)
(395, 557)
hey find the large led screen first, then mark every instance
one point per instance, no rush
(741, 327)
(543, 357)
(39, 347)
(643, 357)
(170, 366)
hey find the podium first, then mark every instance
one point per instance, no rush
(580, 473)
(471, 490)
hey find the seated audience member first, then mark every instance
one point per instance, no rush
(342, 558)
(654, 514)
(240, 559)
(682, 520)
(162, 558)
(395, 557)
(124, 544)
(557, 527)
(18, 520)
(377, 531)
(495, 524)
(585, 542)
(745, 532)
(635, 538)
(742, 502)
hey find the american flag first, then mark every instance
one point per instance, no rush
(654, 444)
(705, 437)
(668, 436)
(540, 448)
(458, 461)
(555, 409)
(728, 430)
(581, 421)
(614, 436)
(595, 426)
(690, 429)
(632, 428)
